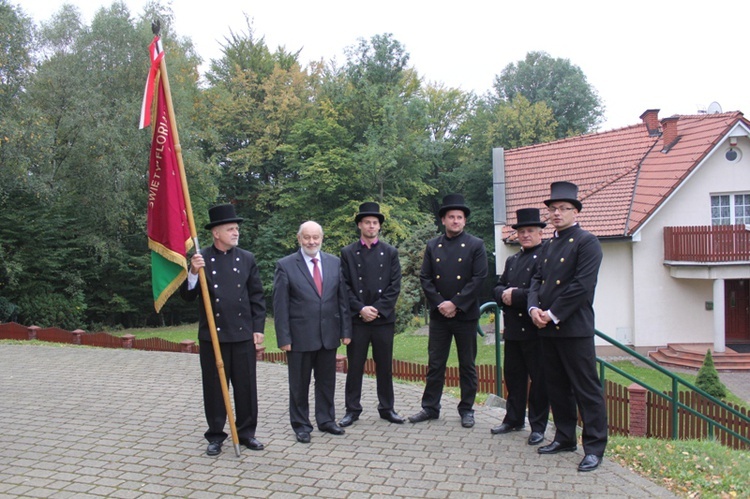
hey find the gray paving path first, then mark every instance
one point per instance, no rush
(86, 422)
(738, 383)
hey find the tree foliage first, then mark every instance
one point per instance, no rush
(558, 83)
(284, 143)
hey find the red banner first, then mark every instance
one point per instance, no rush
(168, 228)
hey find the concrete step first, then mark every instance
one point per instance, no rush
(691, 357)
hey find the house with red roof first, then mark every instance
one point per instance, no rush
(669, 200)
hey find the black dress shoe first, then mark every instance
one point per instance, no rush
(348, 419)
(590, 462)
(421, 416)
(467, 420)
(303, 437)
(556, 447)
(252, 443)
(505, 428)
(214, 448)
(392, 416)
(536, 438)
(332, 428)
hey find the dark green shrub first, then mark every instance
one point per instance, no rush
(8, 310)
(708, 378)
(53, 310)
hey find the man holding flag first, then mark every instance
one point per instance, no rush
(240, 314)
(233, 314)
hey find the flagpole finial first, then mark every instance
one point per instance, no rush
(156, 27)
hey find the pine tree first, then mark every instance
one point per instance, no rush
(708, 378)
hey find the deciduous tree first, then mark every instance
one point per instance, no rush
(560, 84)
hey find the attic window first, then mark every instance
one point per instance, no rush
(733, 155)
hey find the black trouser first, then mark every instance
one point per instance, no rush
(442, 333)
(301, 366)
(381, 339)
(572, 381)
(523, 361)
(239, 368)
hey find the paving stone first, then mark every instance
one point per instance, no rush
(99, 422)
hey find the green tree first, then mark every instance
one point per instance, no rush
(708, 378)
(16, 38)
(519, 123)
(16, 66)
(254, 100)
(38, 266)
(411, 301)
(560, 84)
(377, 100)
(448, 110)
(80, 165)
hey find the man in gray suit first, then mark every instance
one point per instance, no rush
(311, 315)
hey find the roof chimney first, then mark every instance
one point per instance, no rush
(670, 133)
(650, 118)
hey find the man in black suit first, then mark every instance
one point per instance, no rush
(372, 273)
(453, 269)
(240, 316)
(561, 304)
(311, 315)
(522, 347)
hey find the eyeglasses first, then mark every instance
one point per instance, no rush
(561, 209)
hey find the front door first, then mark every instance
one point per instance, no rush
(737, 310)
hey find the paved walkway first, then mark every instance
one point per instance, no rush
(737, 383)
(94, 422)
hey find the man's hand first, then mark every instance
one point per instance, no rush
(508, 296)
(346, 341)
(539, 317)
(448, 309)
(196, 263)
(368, 313)
(285, 348)
(258, 338)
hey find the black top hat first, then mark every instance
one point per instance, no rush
(564, 191)
(369, 209)
(222, 214)
(528, 217)
(453, 202)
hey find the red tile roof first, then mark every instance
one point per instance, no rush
(623, 175)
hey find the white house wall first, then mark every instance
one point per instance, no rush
(613, 302)
(668, 309)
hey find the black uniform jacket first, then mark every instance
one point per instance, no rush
(304, 319)
(236, 295)
(373, 278)
(565, 282)
(454, 269)
(519, 269)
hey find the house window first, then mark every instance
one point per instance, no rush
(730, 209)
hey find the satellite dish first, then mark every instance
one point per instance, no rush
(714, 108)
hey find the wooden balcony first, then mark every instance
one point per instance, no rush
(707, 244)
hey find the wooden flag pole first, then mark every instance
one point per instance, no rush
(201, 271)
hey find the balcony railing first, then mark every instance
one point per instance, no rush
(707, 244)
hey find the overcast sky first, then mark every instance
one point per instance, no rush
(675, 56)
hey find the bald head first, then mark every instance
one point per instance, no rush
(310, 237)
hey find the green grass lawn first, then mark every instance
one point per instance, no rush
(688, 468)
(408, 346)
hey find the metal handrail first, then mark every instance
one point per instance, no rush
(674, 397)
(498, 357)
(603, 364)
